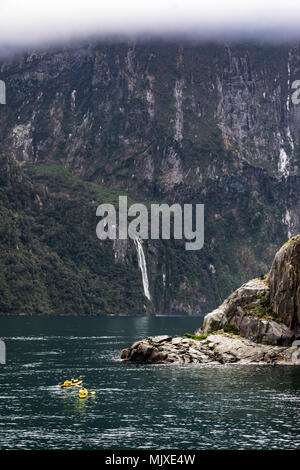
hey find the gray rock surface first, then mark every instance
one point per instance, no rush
(224, 314)
(284, 280)
(240, 309)
(217, 348)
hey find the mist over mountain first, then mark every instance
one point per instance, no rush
(31, 23)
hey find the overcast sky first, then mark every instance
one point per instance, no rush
(36, 21)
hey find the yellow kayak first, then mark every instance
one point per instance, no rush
(83, 393)
(71, 383)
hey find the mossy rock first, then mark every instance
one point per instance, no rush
(231, 329)
(195, 337)
(262, 310)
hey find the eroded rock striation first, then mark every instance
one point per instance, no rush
(258, 323)
(284, 281)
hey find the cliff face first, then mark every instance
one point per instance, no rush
(284, 280)
(186, 123)
(164, 109)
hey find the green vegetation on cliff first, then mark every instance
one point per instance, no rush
(261, 309)
(50, 258)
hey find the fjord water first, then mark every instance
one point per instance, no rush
(135, 406)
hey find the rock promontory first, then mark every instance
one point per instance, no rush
(257, 323)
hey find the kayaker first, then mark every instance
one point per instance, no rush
(83, 393)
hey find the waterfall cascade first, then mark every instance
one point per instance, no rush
(143, 267)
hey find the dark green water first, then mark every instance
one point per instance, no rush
(135, 406)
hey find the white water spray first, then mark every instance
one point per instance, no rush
(143, 267)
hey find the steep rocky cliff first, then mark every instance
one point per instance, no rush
(159, 121)
(284, 281)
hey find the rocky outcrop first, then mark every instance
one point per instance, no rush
(265, 310)
(249, 309)
(284, 280)
(258, 323)
(215, 349)
(224, 314)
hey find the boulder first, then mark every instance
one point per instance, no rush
(249, 308)
(225, 314)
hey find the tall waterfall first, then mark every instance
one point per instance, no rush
(143, 267)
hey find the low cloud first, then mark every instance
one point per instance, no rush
(27, 22)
